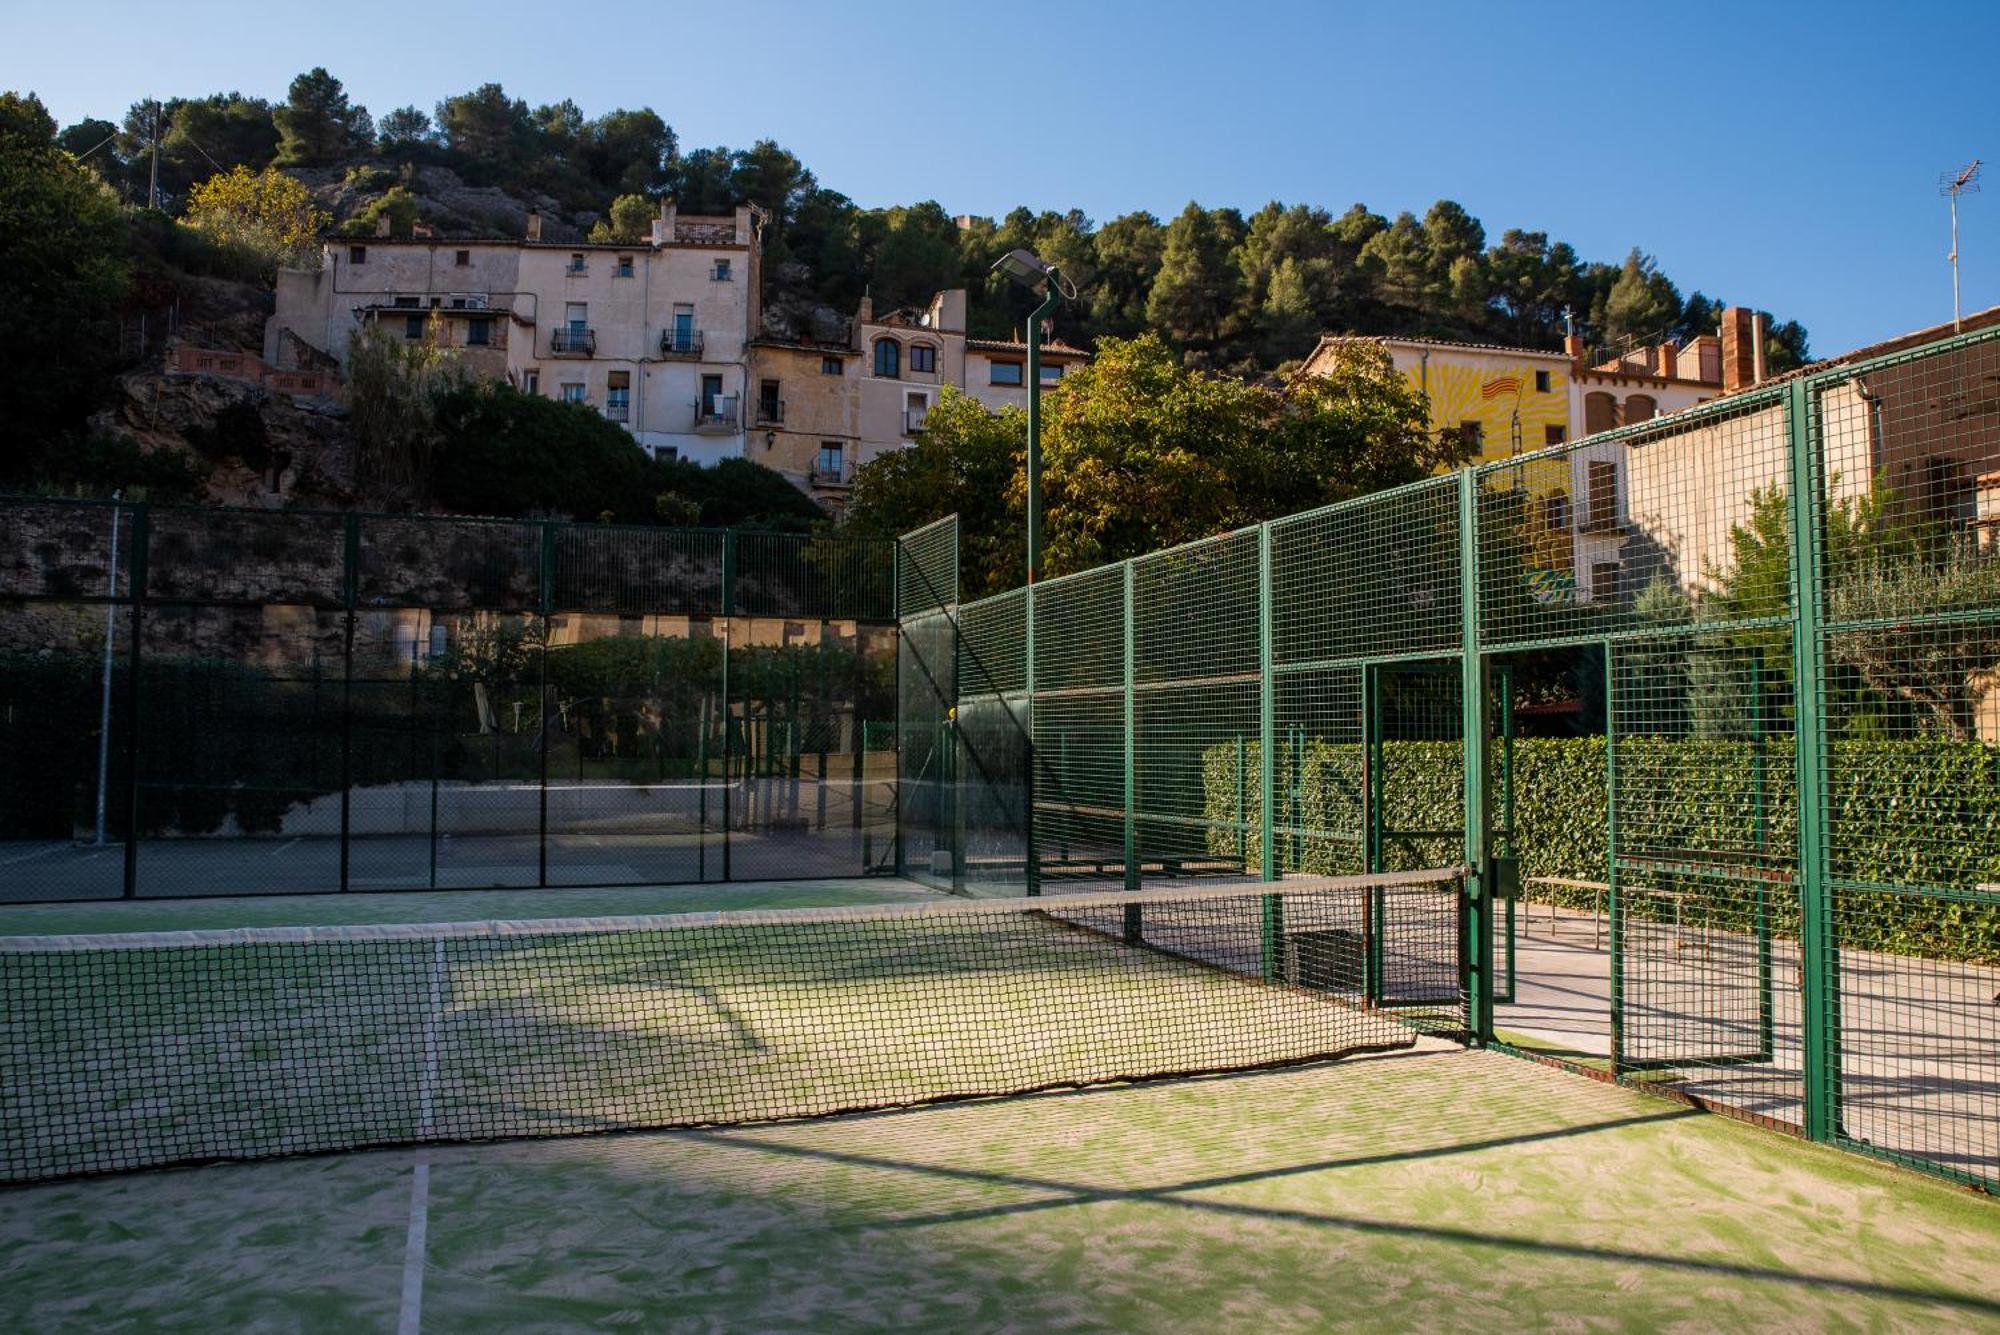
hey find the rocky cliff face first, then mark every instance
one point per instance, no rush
(445, 201)
(259, 448)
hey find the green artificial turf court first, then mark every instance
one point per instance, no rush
(1412, 1185)
(1429, 1189)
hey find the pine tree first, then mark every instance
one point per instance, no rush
(317, 125)
(1197, 281)
(1642, 304)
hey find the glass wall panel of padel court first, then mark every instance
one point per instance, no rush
(1564, 892)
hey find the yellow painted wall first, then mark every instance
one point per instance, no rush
(1489, 388)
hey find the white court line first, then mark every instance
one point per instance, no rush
(287, 844)
(410, 1316)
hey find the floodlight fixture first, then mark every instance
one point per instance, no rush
(1046, 280)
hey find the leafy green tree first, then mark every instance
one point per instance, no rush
(737, 493)
(1001, 307)
(1458, 287)
(1786, 347)
(489, 132)
(916, 255)
(773, 179)
(396, 204)
(1531, 283)
(502, 452)
(67, 271)
(630, 223)
(1358, 226)
(629, 151)
(1195, 288)
(701, 181)
(317, 125)
(1398, 261)
(404, 130)
(144, 121)
(1290, 320)
(1127, 252)
(1354, 427)
(88, 136)
(968, 462)
(560, 128)
(1143, 453)
(222, 131)
(825, 237)
(393, 391)
(1937, 671)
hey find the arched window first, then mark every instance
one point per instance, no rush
(1640, 408)
(923, 357)
(888, 358)
(1600, 412)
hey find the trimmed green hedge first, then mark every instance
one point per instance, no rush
(1903, 813)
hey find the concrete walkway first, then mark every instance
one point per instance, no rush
(1920, 1041)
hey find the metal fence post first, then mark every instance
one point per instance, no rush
(545, 603)
(902, 739)
(1267, 761)
(1819, 956)
(135, 589)
(1131, 743)
(1032, 853)
(1472, 691)
(728, 646)
(1614, 907)
(349, 575)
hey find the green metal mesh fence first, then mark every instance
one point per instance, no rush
(1725, 684)
(201, 701)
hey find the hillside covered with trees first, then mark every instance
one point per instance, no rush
(189, 205)
(1231, 291)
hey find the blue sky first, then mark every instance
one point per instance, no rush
(1782, 158)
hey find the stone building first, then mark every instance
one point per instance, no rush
(831, 401)
(654, 335)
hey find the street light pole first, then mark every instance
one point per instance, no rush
(1035, 426)
(1047, 281)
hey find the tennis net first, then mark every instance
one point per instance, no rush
(129, 1051)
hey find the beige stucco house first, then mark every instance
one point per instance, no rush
(654, 335)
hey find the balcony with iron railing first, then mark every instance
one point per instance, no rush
(572, 341)
(770, 412)
(824, 474)
(716, 416)
(680, 343)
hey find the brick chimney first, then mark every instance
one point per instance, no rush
(1742, 353)
(866, 315)
(382, 224)
(534, 224)
(1573, 346)
(1669, 361)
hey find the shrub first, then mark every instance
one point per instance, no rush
(1905, 813)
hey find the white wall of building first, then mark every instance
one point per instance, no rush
(627, 297)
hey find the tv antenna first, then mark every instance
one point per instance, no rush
(1965, 181)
